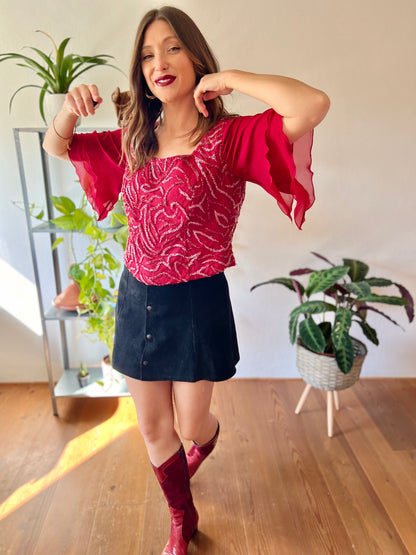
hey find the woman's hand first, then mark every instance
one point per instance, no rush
(209, 87)
(82, 100)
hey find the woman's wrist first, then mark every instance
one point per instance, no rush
(64, 123)
(235, 78)
(58, 134)
(58, 138)
(66, 117)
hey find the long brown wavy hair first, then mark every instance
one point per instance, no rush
(141, 113)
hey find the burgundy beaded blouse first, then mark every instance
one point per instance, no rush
(183, 210)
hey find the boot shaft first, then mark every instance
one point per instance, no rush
(198, 453)
(173, 477)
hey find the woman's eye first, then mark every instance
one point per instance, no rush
(174, 48)
(146, 57)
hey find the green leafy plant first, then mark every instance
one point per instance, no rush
(83, 375)
(83, 370)
(56, 70)
(96, 273)
(347, 294)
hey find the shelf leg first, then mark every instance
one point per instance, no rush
(33, 250)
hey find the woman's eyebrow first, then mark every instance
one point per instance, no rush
(170, 37)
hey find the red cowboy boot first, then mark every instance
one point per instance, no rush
(197, 453)
(173, 477)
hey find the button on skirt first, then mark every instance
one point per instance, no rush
(179, 332)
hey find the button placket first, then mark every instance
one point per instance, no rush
(148, 336)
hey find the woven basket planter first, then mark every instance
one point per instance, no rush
(321, 370)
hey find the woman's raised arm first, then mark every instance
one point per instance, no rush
(80, 101)
(301, 106)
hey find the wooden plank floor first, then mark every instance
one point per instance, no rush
(276, 484)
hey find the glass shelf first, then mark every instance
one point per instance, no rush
(58, 314)
(68, 385)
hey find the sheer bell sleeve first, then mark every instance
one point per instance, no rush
(256, 149)
(98, 163)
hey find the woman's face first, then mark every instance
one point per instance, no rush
(166, 66)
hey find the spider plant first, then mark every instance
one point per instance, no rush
(57, 70)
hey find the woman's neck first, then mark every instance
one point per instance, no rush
(179, 120)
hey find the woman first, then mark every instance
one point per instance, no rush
(181, 163)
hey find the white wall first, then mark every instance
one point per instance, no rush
(361, 53)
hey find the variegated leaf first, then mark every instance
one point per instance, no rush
(312, 335)
(341, 328)
(345, 356)
(359, 288)
(357, 269)
(378, 282)
(373, 298)
(323, 280)
(287, 282)
(368, 331)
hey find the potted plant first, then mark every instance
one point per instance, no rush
(96, 273)
(56, 70)
(83, 375)
(322, 326)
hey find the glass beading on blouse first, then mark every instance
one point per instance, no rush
(183, 210)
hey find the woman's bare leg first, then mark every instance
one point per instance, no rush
(154, 407)
(193, 401)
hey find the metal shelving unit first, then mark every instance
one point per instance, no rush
(67, 386)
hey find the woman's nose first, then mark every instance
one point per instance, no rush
(160, 62)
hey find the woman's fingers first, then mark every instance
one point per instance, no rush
(199, 103)
(209, 87)
(70, 104)
(95, 95)
(83, 100)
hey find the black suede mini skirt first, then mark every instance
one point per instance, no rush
(180, 332)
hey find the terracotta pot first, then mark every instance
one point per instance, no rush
(69, 298)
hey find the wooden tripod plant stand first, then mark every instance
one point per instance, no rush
(321, 371)
(331, 400)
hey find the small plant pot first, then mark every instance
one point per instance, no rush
(83, 380)
(321, 370)
(109, 374)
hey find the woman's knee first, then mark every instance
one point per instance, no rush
(155, 430)
(190, 430)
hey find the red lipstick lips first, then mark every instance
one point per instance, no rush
(165, 80)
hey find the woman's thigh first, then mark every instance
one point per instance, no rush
(154, 406)
(192, 402)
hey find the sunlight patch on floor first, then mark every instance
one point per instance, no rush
(77, 451)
